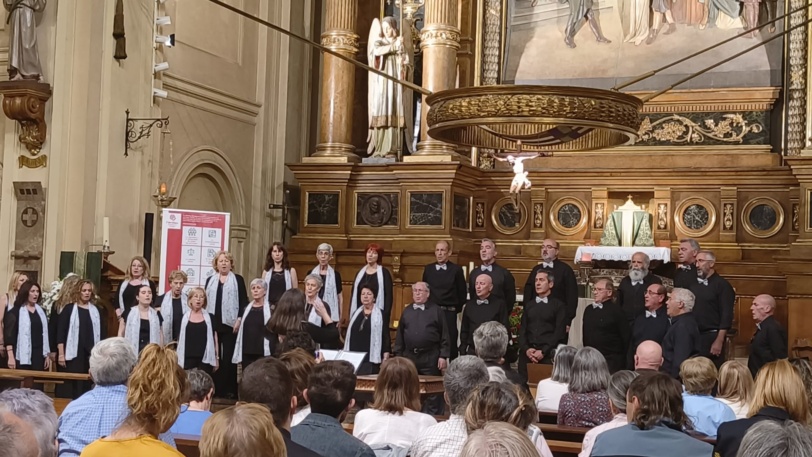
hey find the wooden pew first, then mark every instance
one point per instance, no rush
(60, 404)
(563, 432)
(28, 378)
(187, 445)
(548, 418)
(564, 448)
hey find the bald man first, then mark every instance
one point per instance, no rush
(770, 341)
(484, 307)
(649, 356)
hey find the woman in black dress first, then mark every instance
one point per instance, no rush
(137, 275)
(315, 305)
(227, 298)
(197, 340)
(79, 328)
(253, 342)
(6, 304)
(367, 333)
(278, 274)
(378, 279)
(290, 315)
(331, 290)
(26, 329)
(173, 306)
(141, 324)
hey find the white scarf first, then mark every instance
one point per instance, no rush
(121, 289)
(266, 316)
(376, 336)
(314, 317)
(167, 312)
(24, 335)
(268, 277)
(72, 345)
(133, 329)
(381, 290)
(330, 291)
(209, 357)
(231, 300)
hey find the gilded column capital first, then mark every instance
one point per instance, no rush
(440, 35)
(341, 41)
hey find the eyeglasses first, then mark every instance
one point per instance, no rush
(422, 291)
(596, 289)
(653, 293)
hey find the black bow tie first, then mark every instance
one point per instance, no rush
(482, 302)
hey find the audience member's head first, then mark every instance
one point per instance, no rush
(156, 389)
(397, 387)
(490, 341)
(242, 430)
(779, 385)
(330, 388)
(201, 387)
(16, 437)
(299, 365)
(297, 339)
(464, 374)
(735, 382)
(267, 382)
(648, 356)
(289, 312)
(499, 401)
(618, 389)
(776, 439)
(111, 361)
(804, 369)
(562, 364)
(655, 397)
(698, 374)
(681, 301)
(499, 439)
(37, 410)
(497, 374)
(589, 371)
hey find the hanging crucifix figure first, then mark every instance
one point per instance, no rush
(520, 179)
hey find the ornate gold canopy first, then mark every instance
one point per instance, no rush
(541, 118)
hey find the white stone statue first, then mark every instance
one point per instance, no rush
(23, 57)
(519, 175)
(390, 104)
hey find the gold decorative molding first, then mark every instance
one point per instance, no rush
(479, 218)
(491, 54)
(599, 214)
(538, 215)
(662, 216)
(33, 162)
(440, 36)
(556, 207)
(712, 100)
(796, 209)
(727, 218)
(24, 101)
(687, 203)
(341, 41)
(755, 231)
(679, 129)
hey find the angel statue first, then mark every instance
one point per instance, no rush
(23, 56)
(390, 104)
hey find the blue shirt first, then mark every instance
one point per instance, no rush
(189, 422)
(324, 435)
(659, 440)
(706, 413)
(92, 416)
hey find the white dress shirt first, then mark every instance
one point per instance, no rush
(739, 409)
(378, 427)
(589, 438)
(299, 416)
(548, 394)
(445, 439)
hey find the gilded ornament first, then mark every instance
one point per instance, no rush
(662, 216)
(341, 41)
(681, 130)
(728, 218)
(598, 215)
(796, 89)
(480, 214)
(795, 217)
(538, 215)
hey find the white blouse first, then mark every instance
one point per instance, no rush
(548, 394)
(739, 409)
(378, 427)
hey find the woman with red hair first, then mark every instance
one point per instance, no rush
(378, 279)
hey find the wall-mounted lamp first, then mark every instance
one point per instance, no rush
(159, 67)
(159, 93)
(145, 125)
(163, 20)
(161, 197)
(166, 40)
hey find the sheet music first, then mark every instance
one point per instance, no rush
(355, 358)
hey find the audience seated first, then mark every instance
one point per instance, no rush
(268, 382)
(16, 437)
(735, 387)
(648, 356)
(296, 339)
(491, 342)
(586, 404)
(776, 439)
(96, 413)
(498, 439)
(656, 421)
(464, 374)
(779, 395)
(156, 389)
(329, 392)
(706, 413)
(37, 410)
(192, 416)
(242, 430)
(299, 364)
(550, 390)
(394, 416)
(504, 402)
(804, 369)
(618, 388)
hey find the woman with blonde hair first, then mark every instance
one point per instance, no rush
(6, 303)
(779, 395)
(299, 364)
(197, 340)
(67, 295)
(498, 439)
(505, 402)
(735, 387)
(155, 391)
(394, 416)
(241, 430)
(137, 275)
(79, 328)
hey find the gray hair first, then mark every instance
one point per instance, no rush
(200, 384)
(111, 361)
(590, 373)
(36, 409)
(325, 247)
(464, 374)
(775, 439)
(549, 273)
(424, 283)
(685, 296)
(259, 281)
(13, 434)
(490, 341)
(646, 259)
(316, 278)
(619, 387)
(562, 364)
(488, 240)
(692, 242)
(708, 254)
(498, 439)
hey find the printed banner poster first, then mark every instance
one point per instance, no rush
(189, 241)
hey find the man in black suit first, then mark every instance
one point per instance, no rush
(504, 285)
(566, 286)
(715, 298)
(632, 289)
(685, 276)
(653, 323)
(681, 342)
(770, 341)
(448, 290)
(605, 327)
(483, 307)
(542, 325)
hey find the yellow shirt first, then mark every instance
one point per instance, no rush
(133, 447)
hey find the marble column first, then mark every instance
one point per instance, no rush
(338, 84)
(440, 40)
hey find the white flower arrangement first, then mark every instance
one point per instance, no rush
(49, 297)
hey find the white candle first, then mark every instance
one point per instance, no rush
(106, 232)
(465, 272)
(471, 266)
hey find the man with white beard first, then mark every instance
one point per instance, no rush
(631, 294)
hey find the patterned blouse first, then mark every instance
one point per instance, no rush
(584, 410)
